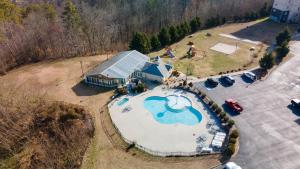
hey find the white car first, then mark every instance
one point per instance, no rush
(250, 75)
(232, 165)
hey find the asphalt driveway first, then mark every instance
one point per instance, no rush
(269, 127)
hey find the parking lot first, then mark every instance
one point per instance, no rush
(269, 127)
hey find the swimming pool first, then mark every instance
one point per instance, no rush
(123, 101)
(173, 109)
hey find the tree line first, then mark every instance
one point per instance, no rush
(32, 32)
(146, 43)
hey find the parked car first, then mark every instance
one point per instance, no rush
(250, 75)
(234, 105)
(232, 165)
(228, 79)
(295, 103)
(212, 82)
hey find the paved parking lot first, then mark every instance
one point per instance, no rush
(269, 127)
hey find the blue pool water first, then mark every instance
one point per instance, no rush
(172, 109)
(123, 101)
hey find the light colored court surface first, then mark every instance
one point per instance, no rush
(225, 48)
(136, 124)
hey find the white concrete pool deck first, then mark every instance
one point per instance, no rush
(138, 124)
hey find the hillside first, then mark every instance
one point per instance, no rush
(33, 31)
(39, 134)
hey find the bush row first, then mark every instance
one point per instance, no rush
(232, 142)
(218, 110)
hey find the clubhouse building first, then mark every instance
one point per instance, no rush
(127, 65)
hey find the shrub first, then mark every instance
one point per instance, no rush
(282, 51)
(232, 140)
(214, 106)
(225, 119)
(230, 123)
(210, 102)
(175, 73)
(190, 84)
(222, 115)
(231, 148)
(203, 95)
(282, 37)
(234, 134)
(218, 110)
(267, 62)
(208, 34)
(140, 88)
(200, 93)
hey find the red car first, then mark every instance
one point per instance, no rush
(234, 105)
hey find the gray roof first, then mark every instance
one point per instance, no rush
(121, 66)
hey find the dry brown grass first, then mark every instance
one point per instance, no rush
(60, 81)
(208, 62)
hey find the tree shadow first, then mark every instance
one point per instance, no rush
(83, 89)
(297, 121)
(184, 57)
(295, 110)
(264, 31)
(260, 73)
(227, 109)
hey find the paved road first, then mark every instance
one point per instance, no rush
(269, 128)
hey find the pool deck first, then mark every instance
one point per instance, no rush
(138, 125)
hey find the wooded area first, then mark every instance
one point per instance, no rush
(32, 31)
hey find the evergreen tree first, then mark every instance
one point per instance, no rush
(164, 37)
(70, 16)
(267, 62)
(223, 20)
(185, 29)
(180, 32)
(140, 42)
(264, 11)
(173, 34)
(195, 24)
(155, 43)
(283, 37)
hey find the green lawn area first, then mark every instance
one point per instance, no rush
(208, 62)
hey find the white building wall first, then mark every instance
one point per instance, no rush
(293, 6)
(152, 77)
(294, 11)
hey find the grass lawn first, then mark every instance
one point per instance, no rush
(208, 62)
